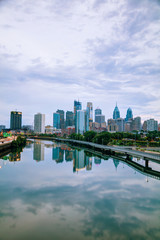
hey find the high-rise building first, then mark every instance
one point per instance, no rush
(129, 114)
(56, 120)
(77, 106)
(152, 125)
(116, 112)
(80, 121)
(62, 123)
(39, 123)
(16, 120)
(98, 111)
(99, 118)
(69, 118)
(120, 123)
(136, 124)
(90, 110)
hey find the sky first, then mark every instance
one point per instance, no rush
(53, 52)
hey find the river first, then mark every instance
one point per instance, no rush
(53, 191)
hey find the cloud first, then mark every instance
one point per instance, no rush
(99, 51)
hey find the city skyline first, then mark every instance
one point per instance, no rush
(103, 52)
(96, 111)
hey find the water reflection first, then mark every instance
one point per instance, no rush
(15, 157)
(38, 151)
(47, 201)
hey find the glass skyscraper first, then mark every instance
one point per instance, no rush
(61, 113)
(129, 114)
(116, 113)
(16, 120)
(56, 120)
(80, 121)
(69, 118)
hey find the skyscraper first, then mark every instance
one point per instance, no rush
(129, 114)
(39, 123)
(100, 118)
(90, 110)
(16, 120)
(90, 115)
(80, 121)
(69, 118)
(136, 124)
(152, 125)
(77, 106)
(56, 120)
(61, 113)
(98, 111)
(116, 112)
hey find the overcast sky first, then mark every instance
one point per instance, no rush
(103, 51)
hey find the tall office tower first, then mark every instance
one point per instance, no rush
(77, 106)
(152, 125)
(136, 124)
(90, 114)
(99, 118)
(98, 111)
(56, 120)
(116, 112)
(62, 123)
(69, 118)
(16, 120)
(120, 124)
(39, 123)
(90, 110)
(129, 114)
(80, 121)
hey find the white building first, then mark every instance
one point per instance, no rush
(39, 123)
(152, 125)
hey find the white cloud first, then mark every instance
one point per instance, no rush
(102, 51)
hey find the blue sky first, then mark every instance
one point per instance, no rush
(103, 51)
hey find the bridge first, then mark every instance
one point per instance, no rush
(111, 149)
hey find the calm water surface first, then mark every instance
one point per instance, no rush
(51, 191)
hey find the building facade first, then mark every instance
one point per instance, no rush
(80, 121)
(56, 120)
(39, 123)
(15, 120)
(152, 125)
(69, 119)
(116, 113)
(129, 114)
(62, 122)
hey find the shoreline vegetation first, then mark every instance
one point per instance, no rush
(138, 141)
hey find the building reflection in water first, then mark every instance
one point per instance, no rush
(38, 151)
(97, 160)
(69, 155)
(116, 163)
(14, 157)
(88, 163)
(57, 154)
